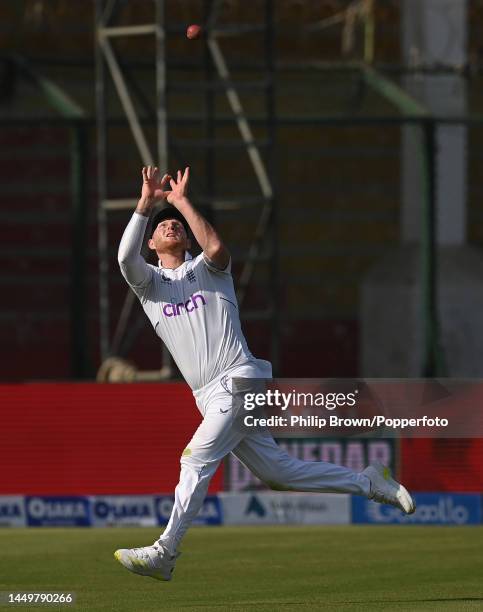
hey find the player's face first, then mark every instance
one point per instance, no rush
(170, 233)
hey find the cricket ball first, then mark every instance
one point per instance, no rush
(193, 31)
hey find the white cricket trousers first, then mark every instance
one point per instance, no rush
(217, 436)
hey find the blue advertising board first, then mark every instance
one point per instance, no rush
(99, 511)
(431, 509)
(123, 510)
(12, 511)
(57, 511)
(209, 514)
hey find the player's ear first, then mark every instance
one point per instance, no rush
(151, 244)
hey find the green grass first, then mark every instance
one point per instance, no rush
(261, 569)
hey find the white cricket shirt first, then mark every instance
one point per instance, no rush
(193, 309)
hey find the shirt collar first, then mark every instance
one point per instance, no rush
(187, 257)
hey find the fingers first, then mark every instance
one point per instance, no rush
(160, 193)
(149, 172)
(152, 172)
(186, 174)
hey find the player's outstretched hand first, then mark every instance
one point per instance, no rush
(154, 188)
(179, 187)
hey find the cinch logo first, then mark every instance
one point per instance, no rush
(173, 310)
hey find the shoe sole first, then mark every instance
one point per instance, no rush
(408, 500)
(402, 494)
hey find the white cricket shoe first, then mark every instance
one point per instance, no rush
(386, 490)
(154, 561)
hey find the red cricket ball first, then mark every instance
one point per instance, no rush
(193, 31)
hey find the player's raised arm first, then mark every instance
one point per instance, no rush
(132, 264)
(205, 234)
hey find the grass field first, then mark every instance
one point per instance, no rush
(262, 569)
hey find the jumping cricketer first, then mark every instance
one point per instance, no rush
(192, 307)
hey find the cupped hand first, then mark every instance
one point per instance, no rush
(154, 187)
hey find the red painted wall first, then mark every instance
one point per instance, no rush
(442, 464)
(126, 439)
(94, 439)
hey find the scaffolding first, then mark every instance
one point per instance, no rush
(108, 65)
(356, 20)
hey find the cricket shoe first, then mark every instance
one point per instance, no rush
(386, 490)
(154, 561)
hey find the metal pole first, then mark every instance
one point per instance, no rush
(269, 44)
(78, 290)
(209, 116)
(432, 360)
(369, 31)
(162, 129)
(161, 107)
(101, 188)
(126, 100)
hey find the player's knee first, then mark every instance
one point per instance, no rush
(197, 460)
(189, 458)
